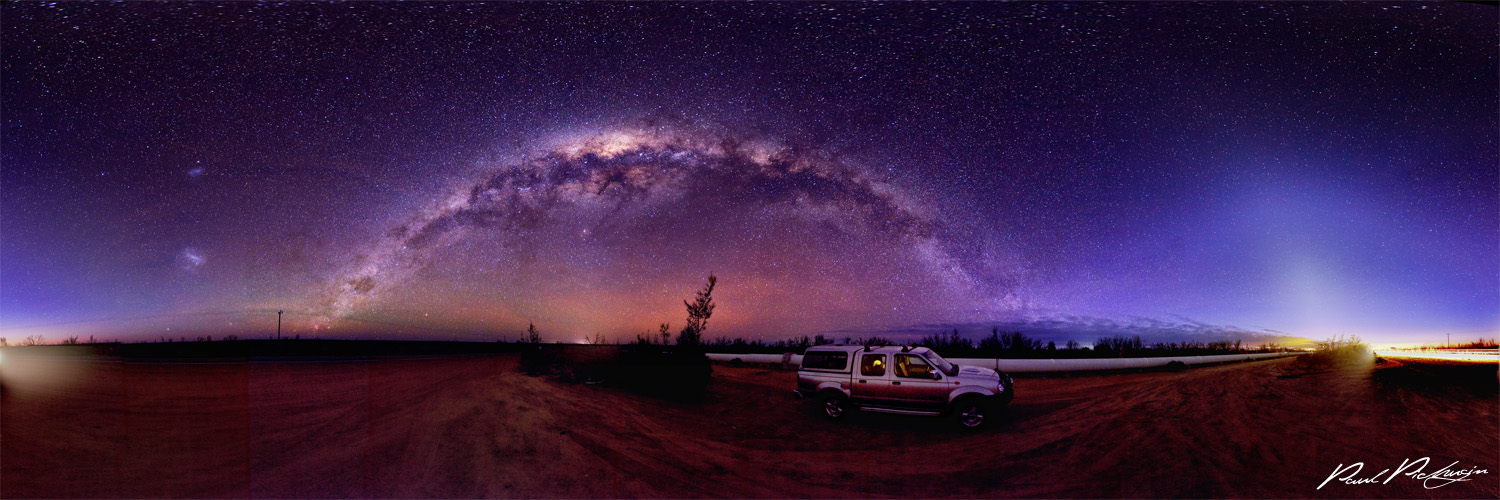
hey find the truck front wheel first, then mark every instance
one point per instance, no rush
(971, 412)
(834, 405)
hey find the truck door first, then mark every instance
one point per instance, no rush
(872, 379)
(914, 384)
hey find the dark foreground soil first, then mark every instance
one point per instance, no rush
(477, 427)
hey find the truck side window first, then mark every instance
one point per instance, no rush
(872, 365)
(823, 360)
(910, 366)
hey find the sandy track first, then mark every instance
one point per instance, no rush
(476, 427)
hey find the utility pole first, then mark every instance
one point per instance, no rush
(278, 324)
(1449, 343)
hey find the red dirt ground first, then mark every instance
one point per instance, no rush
(476, 427)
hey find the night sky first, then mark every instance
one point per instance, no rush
(455, 170)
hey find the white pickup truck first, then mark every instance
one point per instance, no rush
(900, 379)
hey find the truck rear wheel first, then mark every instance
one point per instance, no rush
(834, 405)
(971, 412)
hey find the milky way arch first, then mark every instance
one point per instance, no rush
(605, 178)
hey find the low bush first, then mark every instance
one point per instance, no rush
(1339, 350)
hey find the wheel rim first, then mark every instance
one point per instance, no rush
(833, 408)
(971, 416)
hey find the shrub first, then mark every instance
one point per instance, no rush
(675, 372)
(537, 360)
(672, 372)
(1338, 350)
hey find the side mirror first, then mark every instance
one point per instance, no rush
(937, 376)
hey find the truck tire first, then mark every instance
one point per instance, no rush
(835, 405)
(972, 412)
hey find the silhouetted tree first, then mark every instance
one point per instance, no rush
(531, 334)
(949, 345)
(1017, 341)
(698, 311)
(1482, 343)
(1119, 343)
(665, 332)
(957, 343)
(992, 342)
(1072, 344)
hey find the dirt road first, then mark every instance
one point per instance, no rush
(476, 427)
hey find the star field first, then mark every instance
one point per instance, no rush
(459, 170)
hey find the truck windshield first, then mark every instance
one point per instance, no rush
(942, 364)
